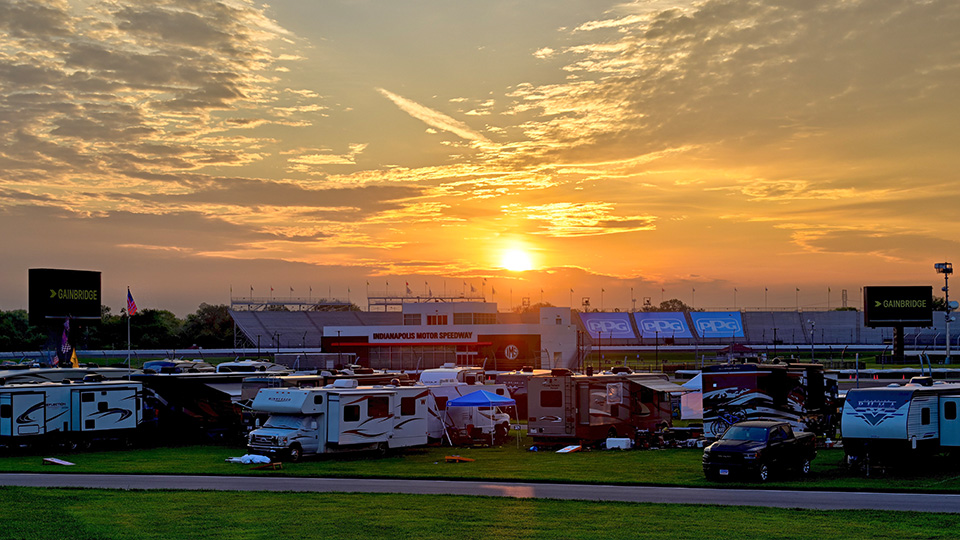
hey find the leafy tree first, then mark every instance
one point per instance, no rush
(17, 334)
(155, 329)
(211, 327)
(673, 306)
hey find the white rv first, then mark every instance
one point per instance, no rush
(450, 382)
(339, 417)
(885, 421)
(69, 411)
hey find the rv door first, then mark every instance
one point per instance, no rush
(949, 421)
(333, 418)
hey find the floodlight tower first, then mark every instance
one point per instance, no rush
(946, 269)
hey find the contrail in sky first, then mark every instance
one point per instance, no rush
(433, 118)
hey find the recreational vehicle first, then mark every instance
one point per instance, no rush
(803, 395)
(72, 412)
(340, 417)
(450, 382)
(564, 406)
(891, 420)
(517, 382)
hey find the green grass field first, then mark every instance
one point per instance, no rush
(106, 514)
(669, 467)
(59, 514)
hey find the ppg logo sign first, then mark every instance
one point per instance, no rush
(608, 326)
(718, 326)
(664, 326)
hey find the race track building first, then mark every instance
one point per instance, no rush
(424, 335)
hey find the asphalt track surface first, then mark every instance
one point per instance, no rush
(818, 500)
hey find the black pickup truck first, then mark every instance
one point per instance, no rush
(755, 448)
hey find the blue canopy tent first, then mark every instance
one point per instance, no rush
(483, 398)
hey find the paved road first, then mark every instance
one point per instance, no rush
(823, 500)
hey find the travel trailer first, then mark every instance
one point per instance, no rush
(71, 412)
(450, 382)
(341, 417)
(564, 406)
(803, 395)
(893, 420)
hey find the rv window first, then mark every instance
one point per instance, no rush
(101, 406)
(950, 410)
(551, 398)
(378, 407)
(6, 411)
(925, 416)
(351, 413)
(500, 391)
(87, 397)
(408, 406)
(441, 403)
(318, 399)
(470, 379)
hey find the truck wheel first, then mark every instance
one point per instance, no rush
(763, 473)
(805, 467)
(295, 453)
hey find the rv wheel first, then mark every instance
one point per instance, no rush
(612, 433)
(295, 453)
(805, 466)
(382, 449)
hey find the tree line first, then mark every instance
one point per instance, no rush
(211, 327)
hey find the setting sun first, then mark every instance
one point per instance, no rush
(516, 260)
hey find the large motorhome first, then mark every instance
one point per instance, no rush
(340, 417)
(450, 382)
(72, 412)
(891, 420)
(517, 382)
(804, 395)
(564, 406)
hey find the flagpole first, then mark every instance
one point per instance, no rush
(128, 332)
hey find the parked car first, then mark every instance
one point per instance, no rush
(754, 449)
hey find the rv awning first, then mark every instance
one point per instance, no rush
(662, 386)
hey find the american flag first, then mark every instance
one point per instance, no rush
(131, 305)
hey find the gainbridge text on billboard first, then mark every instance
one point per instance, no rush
(898, 306)
(58, 294)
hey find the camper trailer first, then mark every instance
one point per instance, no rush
(341, 417)
(892, 420)
(564, 406)
(450, 382)
(72, 412)
(803, 395)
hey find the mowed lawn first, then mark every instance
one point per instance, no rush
(60, 514)
(668, 467)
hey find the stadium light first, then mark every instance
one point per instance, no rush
(946, 269)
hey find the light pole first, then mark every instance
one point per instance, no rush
(813, 327)
(946, 269)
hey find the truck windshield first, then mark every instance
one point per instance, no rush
(741, 433)
(284, 421)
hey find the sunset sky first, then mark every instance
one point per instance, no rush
(725, 153)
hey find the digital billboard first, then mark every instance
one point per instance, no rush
(608, 325)
(717, 324)
(661, 325)
(58, 294)
(898, 306)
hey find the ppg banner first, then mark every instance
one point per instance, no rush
(608, 325)
(718, 324)
(662, 325)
